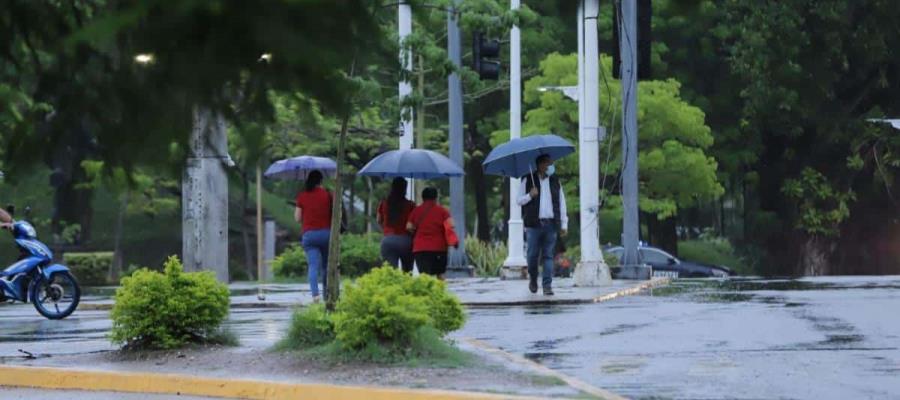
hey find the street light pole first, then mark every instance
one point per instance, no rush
(404, 27)
(515, 266)
(592, 270)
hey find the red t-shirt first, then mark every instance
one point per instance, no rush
(316, 207)
(430, 232)
(400, 227)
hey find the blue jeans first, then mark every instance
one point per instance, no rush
(541, 246)
(315, 244)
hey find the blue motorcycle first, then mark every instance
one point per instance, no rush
(51, 288)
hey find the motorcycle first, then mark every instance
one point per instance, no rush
(51, 288)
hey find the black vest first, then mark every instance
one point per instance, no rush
(531, 212)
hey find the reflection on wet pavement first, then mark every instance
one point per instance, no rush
(823, 338)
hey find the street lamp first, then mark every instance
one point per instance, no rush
(144, 58)
(569, 91)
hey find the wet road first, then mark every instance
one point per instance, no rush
(835, 338)
(831, 338)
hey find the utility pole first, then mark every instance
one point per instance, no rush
(404, 26)
(592, 270)
(515, 266)
(632, 268)
(204, 207)
(458, 262)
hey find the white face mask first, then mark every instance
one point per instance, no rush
(551, 170)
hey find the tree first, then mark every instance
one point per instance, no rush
(674, 169)
(811, 72)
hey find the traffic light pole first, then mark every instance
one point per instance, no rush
(515, 266)
(457, 263)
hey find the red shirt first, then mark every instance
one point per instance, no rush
(316, 207)
(430, 232)
(400, 227)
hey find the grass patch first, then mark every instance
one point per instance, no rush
(716, 252)
(547, 380)
(426, 349)
(223, 337)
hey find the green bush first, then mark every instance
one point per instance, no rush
(716, 251)
(291, 263)
(387, 307)
(359, 253)
(311, 326)
(167, 310)
(91, 269)
(487, 258)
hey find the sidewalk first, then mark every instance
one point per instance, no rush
(473, 292)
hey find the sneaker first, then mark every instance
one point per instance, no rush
(532, 285)
(316, 299)
(548, 291)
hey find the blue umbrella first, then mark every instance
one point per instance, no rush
(515, 158)
(298, 168)
(413, 163)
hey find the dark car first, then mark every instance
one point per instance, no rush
(667, 265)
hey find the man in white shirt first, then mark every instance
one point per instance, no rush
(543, 204)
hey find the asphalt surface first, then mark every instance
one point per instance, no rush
(825, 338)
(829, 338)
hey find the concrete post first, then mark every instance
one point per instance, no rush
(631, 262)
(205, 197)
(592, 270)
(269, 247)
(515, 266)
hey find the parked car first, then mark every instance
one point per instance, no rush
(667, 265)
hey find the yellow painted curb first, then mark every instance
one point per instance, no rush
(655, 282)
(134, 382)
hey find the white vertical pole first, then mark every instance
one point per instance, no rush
(404, 27)
(515, 264)
(592, 270)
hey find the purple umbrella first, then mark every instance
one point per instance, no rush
(298, 168)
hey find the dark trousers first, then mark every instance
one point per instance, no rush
(541, 245)
(431, 262)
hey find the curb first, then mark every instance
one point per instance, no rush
(133, 382)
(542, 302)
(524, 362)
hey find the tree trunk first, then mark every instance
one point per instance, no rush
(814, 259)
(115, 268)
(246, 226)
(478, 183)
(333, 287)
(369, 205)
(662, 233)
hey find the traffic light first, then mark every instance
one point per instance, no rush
(644, 39)
(483, 50)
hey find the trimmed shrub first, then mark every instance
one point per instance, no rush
(487, 258)
(387, 307)
(311, 326)
(91, 269)
(168, 310)
(358, 254)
